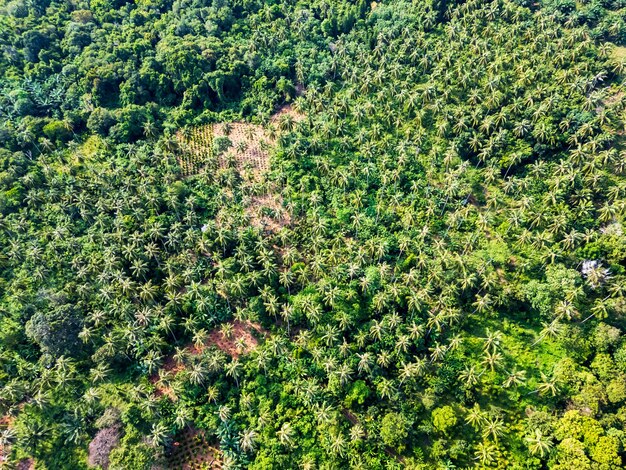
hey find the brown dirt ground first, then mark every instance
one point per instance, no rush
(192, 451)
(241, 330)
(248, 147)
(5, 421)
(286, 110)
(249, 154)
(169, 366)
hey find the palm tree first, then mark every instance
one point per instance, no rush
(493, 427)
(7, 437)
(492, 359)
(469, 376)
(486, 453)
(552, 329)
(247, 440)
(159, 435)
(365, 362)
(286, 434)
(547, 385)
(149, 128)
(384, 358)
(344, 373)
(330, 334)
(233, 369)
(437, 352)
(338, 444)
(493, 339)
(386, 388)
(224, 412)
(331, 296)
(32, 435)
(212, 393)
(199, 338)
(538, 443)
(197, 374)
(475, 416)
(183, 417)
(416, 331)
(515, 378)
(152, 361)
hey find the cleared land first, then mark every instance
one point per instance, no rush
(192, 451)
(244, 147)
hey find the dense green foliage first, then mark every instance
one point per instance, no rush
(449, 293)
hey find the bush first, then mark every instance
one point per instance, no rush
(444, 418)
(56, 131)
(100, 121)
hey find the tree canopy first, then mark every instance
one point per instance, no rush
(316, 234)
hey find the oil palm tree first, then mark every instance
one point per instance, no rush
(538, 443)
(286, 434)
(247, 440)
(486, 453)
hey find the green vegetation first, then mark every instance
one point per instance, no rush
(437, 278)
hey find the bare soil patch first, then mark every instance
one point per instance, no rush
(286, 116)
(249, 148)
(191, 450)
(195, 148)
(241, 339)
(170, 368)
(247, 152)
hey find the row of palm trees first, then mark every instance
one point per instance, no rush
(428, 185)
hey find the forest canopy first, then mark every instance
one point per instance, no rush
(326, 234)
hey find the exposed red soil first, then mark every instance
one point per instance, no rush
(241, 330)
(192, 451)
(286, 110)
(241, 341)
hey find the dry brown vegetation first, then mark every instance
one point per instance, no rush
(101, 446)
(26, 464)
